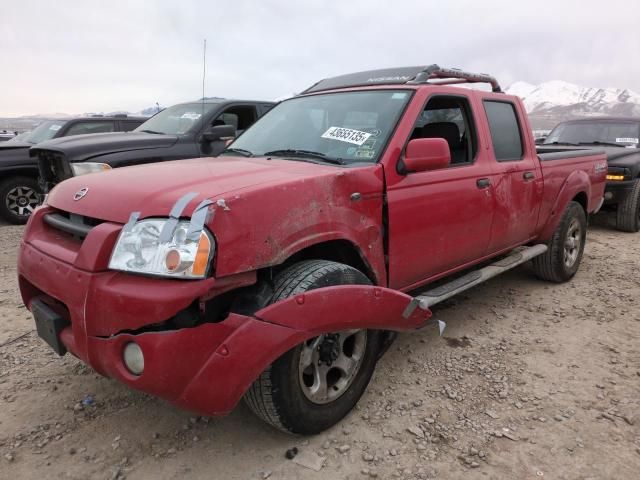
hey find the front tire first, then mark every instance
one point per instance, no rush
(562, 260)
(628, 217)
(314, 385)
(19, 197)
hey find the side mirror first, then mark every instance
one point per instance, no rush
(218, 132)
(540, 140)
(424, 154)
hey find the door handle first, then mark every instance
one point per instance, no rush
(483, 182)
(528, 176)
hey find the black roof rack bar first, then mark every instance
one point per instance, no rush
(449, 76)
(432, 74)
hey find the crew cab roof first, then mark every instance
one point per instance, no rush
(218, 100)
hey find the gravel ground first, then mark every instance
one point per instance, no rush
(530, 380)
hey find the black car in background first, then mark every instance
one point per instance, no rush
(19, 190)
(619, 137)
(187, 130)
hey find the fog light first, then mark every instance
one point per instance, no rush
(133, 358)
(608, 196)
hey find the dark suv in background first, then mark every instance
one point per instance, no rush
(619, 137)
(187, 130)
(19, 190)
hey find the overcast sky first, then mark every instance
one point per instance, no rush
(89, 56)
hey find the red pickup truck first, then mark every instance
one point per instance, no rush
(281, 270)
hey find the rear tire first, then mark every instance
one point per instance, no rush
(19, 196)
(628, 218)
(288, 394)
(562, 260)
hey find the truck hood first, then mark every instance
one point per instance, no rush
(14, 154)
(154, 189)
(79, 148)
(8, 146)
(623, 157)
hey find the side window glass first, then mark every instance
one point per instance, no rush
(82, 128)
(505, 131)
(128, 126)
(240, 117)
(449, 118)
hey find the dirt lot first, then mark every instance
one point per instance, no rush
(530, 380)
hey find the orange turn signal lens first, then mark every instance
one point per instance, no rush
(199, 267)
(615, 177)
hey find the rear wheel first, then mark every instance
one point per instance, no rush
(314, 385)
(561, 261)
(19, 197)
(628, 219)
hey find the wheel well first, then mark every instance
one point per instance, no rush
(341, 251)
(582, 199)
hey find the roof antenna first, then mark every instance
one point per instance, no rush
(204, 72)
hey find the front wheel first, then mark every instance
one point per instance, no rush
(19, 197)
(561, 261)
(314, 385)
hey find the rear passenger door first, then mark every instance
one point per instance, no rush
(518, 184)
(441, 219)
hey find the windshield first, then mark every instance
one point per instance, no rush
(347, 127)
(20, 138)
(177, 120)
(45, 131)
(624, 134)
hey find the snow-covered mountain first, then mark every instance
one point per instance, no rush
(554, 101)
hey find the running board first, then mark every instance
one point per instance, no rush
(448, 290)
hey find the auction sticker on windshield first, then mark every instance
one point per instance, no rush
(346, 135)
(627, 140)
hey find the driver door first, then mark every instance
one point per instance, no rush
(440, 220)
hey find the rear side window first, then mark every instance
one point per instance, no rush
(82, 128)
(505, 131)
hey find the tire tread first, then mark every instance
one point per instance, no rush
(627, 216)
(295, 279)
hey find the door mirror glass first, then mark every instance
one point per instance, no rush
(423, 154)
(218, 132)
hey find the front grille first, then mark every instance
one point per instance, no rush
(53, 167)
(77, 226)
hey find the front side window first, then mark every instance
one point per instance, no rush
(345, 127)
(178, 120)
(505, 131)
(449, 118)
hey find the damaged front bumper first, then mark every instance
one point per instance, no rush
(205, 368)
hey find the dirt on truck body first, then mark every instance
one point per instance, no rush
(279, 271)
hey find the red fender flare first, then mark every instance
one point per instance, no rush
(243, 356)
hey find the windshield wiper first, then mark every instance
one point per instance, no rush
(562, 143)
(292, 152)
(596, 142)
(152, 131)
(241, 151)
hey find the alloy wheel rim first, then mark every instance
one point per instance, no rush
(22, 200)
(572, 243)
(329, 363)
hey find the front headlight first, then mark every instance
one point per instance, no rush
(139, 250)
(83, 168)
